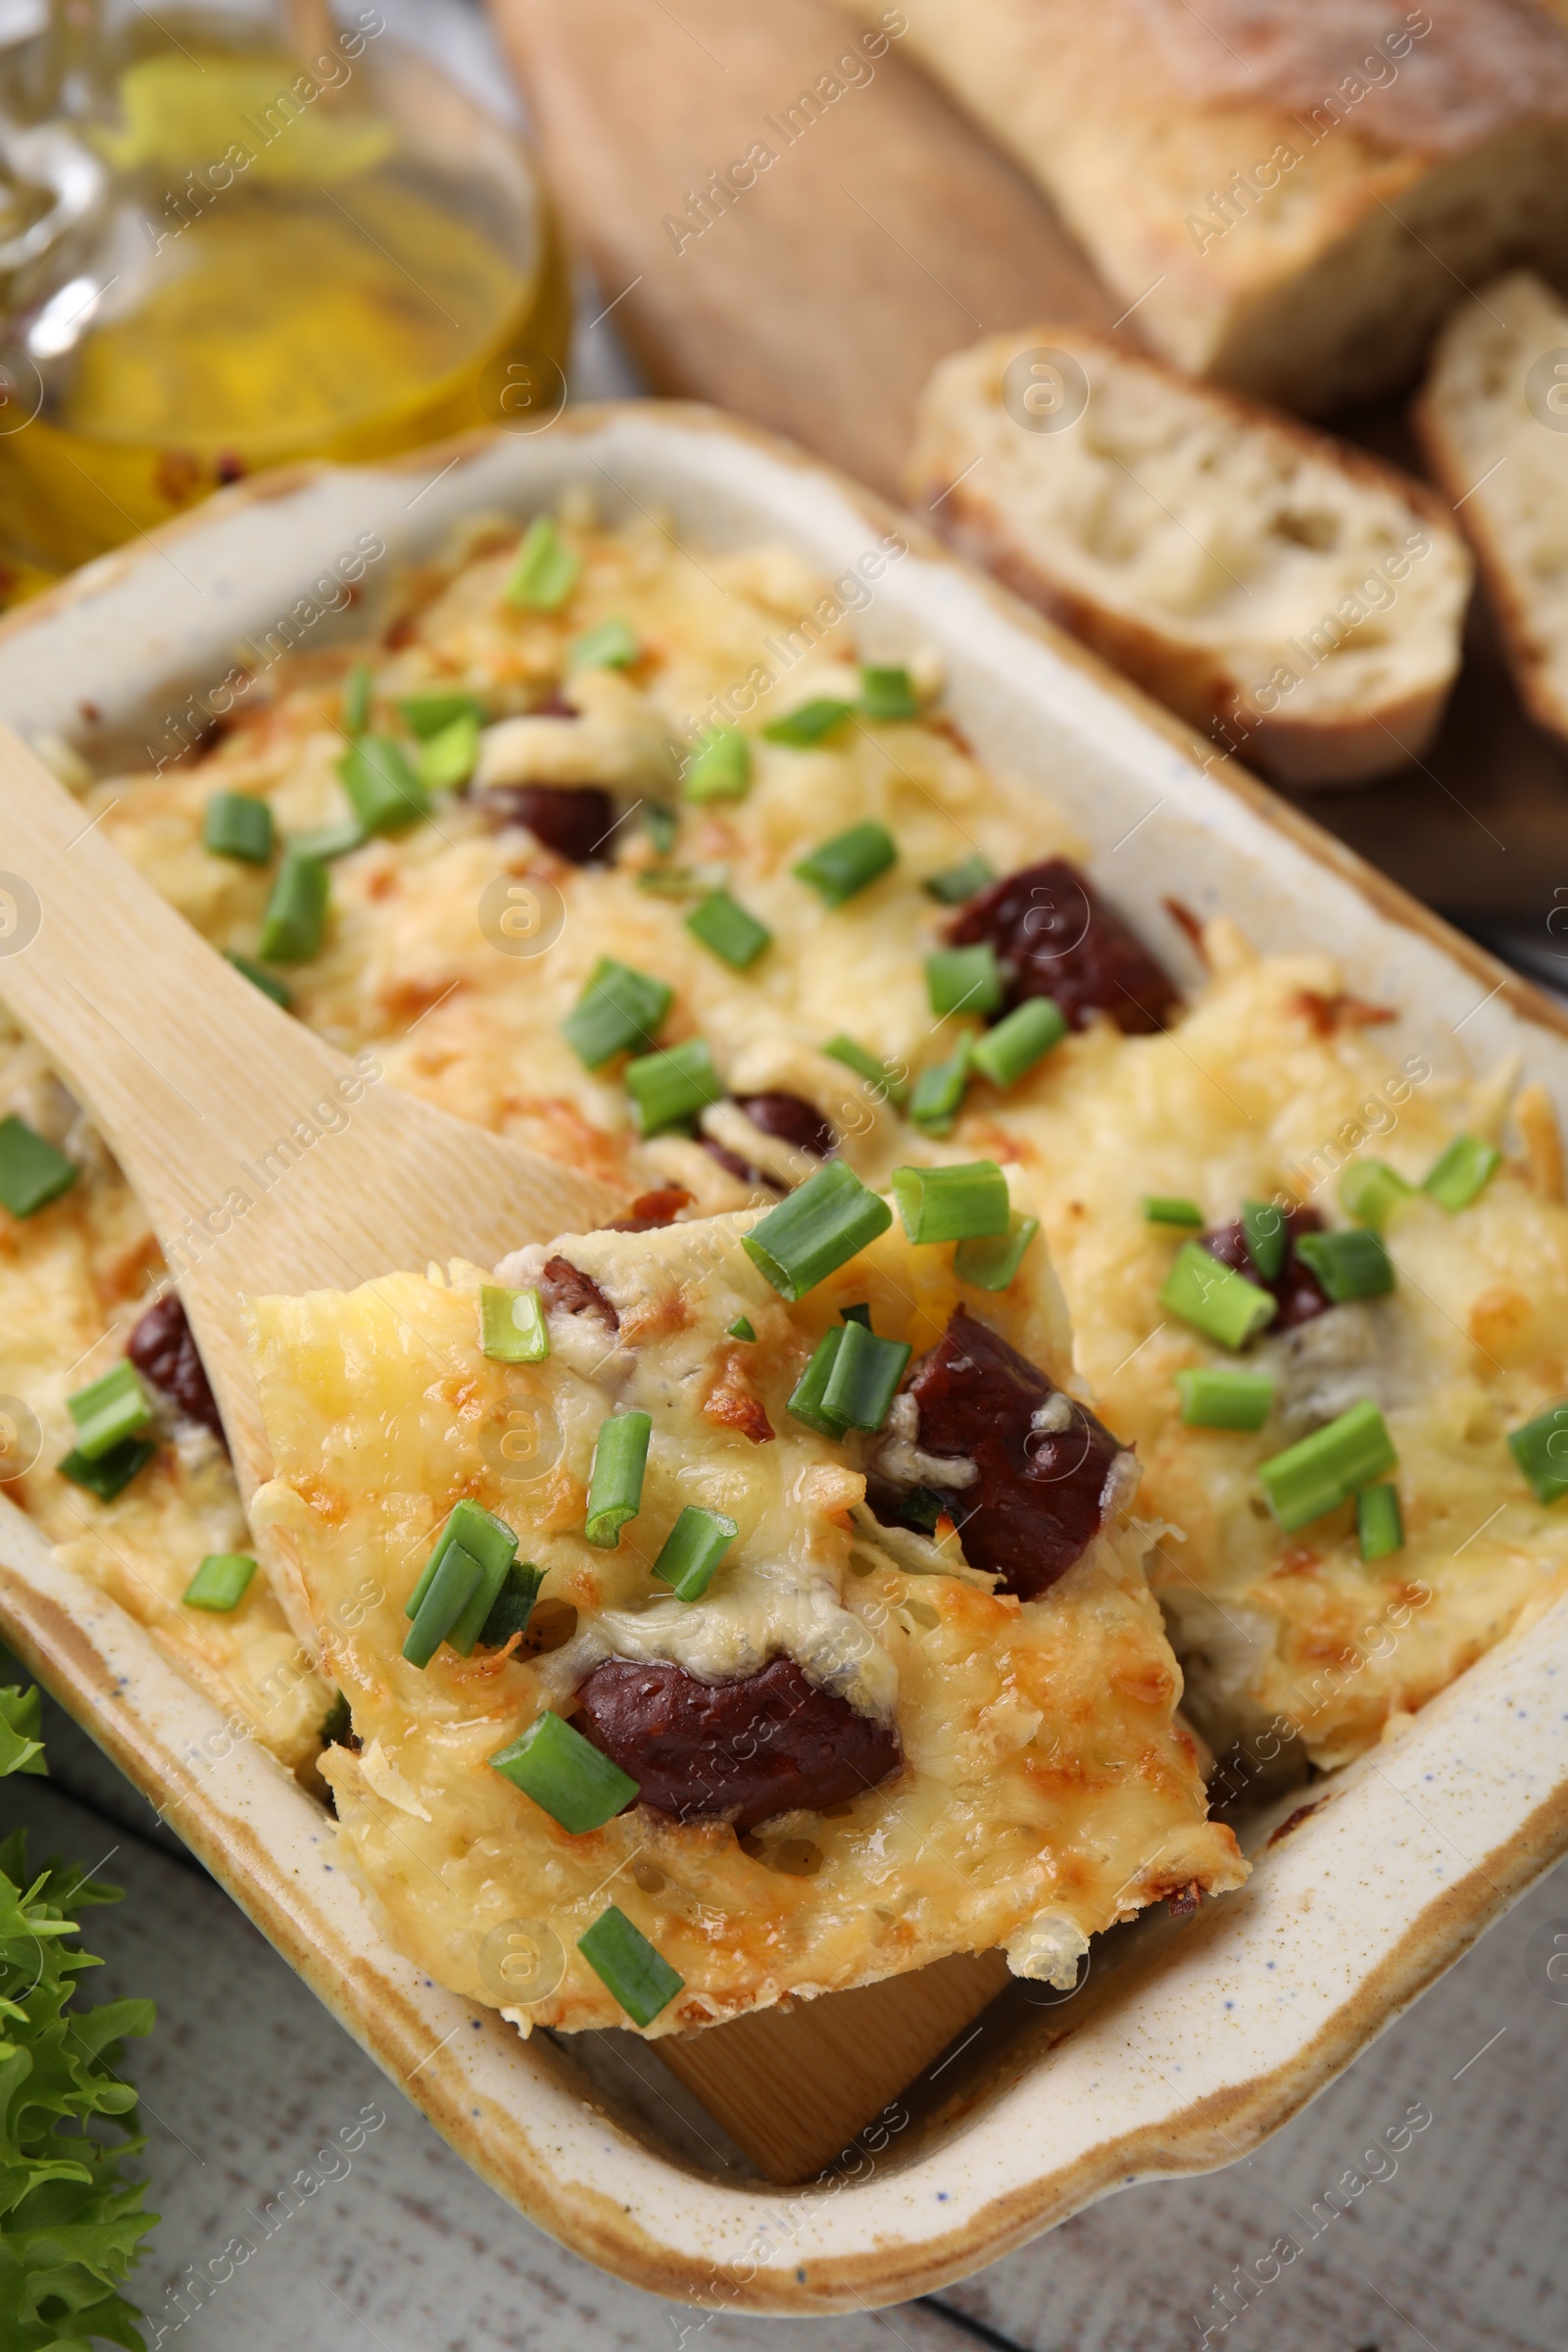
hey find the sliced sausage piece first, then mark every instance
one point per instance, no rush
(1297, 1287)
(575, 820)
(1030, 1465)
(652, 1211)
(566, 1289)
(163, 1348)
(1056, 937)
(739, 1752)
(792, 1121)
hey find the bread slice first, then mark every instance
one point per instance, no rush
(1493, 423)
(1297, 599)
(1285, 192)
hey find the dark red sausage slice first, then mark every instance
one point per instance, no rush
(163, 1348)
(1038, 1501)
(739, 1752)
(575, 820)
(1058, 938)
(1298, 1288)
(566, 1287)
(650, 1212)
(794, 1122)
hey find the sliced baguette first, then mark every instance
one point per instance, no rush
(1496, 439)
(1297, 599)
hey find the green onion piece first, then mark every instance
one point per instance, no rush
(990, 1265)
(1348, 1265)
(1006, 1053)
(839, 867)
(546, 571)
(689, 1557)
(668, 1089)
(336, 1723)
(386, 794)
(457, 1577)
(810, 723)
(219, 1583)
(1539, 1446)
(887, 693)
(616, 1482)
(512, 1326)
(112, 1472)
(721, 769)
(235, 824)
(448, 759)
(1327, 1468)
(1379, 1522)
(611, 645)
(282, 997)
(1215, 1397)
(1464, 1169)
(662, 825)
(296, 911)
(487, 1539)
(328, 840)
(937, 1095)
(964, 980)
(431, 713)
(1370, 1191)
(955, 883)
(863, 1378)
(856, 1314)
(513, 1605)
(741, 1329)
(1267, 1237)
(725, 926)
(677, 881)
(952, 1205)
(1215, 1300)
(922, 1508)
(108, 1409)
(358, 686)
(575, 1783)
(822, 1224)
(32, 1173)
(806, 1402)
(620, 1009)
(877, 1074)
(626, 1964)
(1169, 1208)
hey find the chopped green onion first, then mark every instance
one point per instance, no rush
(662, 825)
(955, 883)
(806, 1399)
(621, 1008)
(457, 1578)
(32, 1173)
(219, 1583)
(296, 911)
(937, 1095)
(1540, 1449)
(611, 645)
(113, 1472)
(1215, 1397)
(689, 1557)
(358, 687)
(575, 1783)
(1169, 1208)
(1006, 1053)
(1370, 1191)
(810, 723)
(108, 1409)
(856, 1314)
(433, 711)
(923, 1507)
(840, 866)
(235, 824)
(1327, 1468)
(952, 1205)
(824, 1223)
(616, 1482)
(1215, 1300)
(447, 761)
(877, 1074)
(487, 1539)
(1379, 1522)
(741, 1329)
(990, 1265)
(513, 1605)
(887, 693)
(1464, 1169)
(736, 937)
(512, 1326)
(964, 980)
(328, 840)
(678, 881)
(1267, 1237)
(386, 794)
(668, 1089)
(626, 1964)
(1348, 1265)
(282, 997)
(336, 1723)
(863, 1378)
(546, 571)
(721, 769)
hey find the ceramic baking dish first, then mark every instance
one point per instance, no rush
(1189, 2044)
